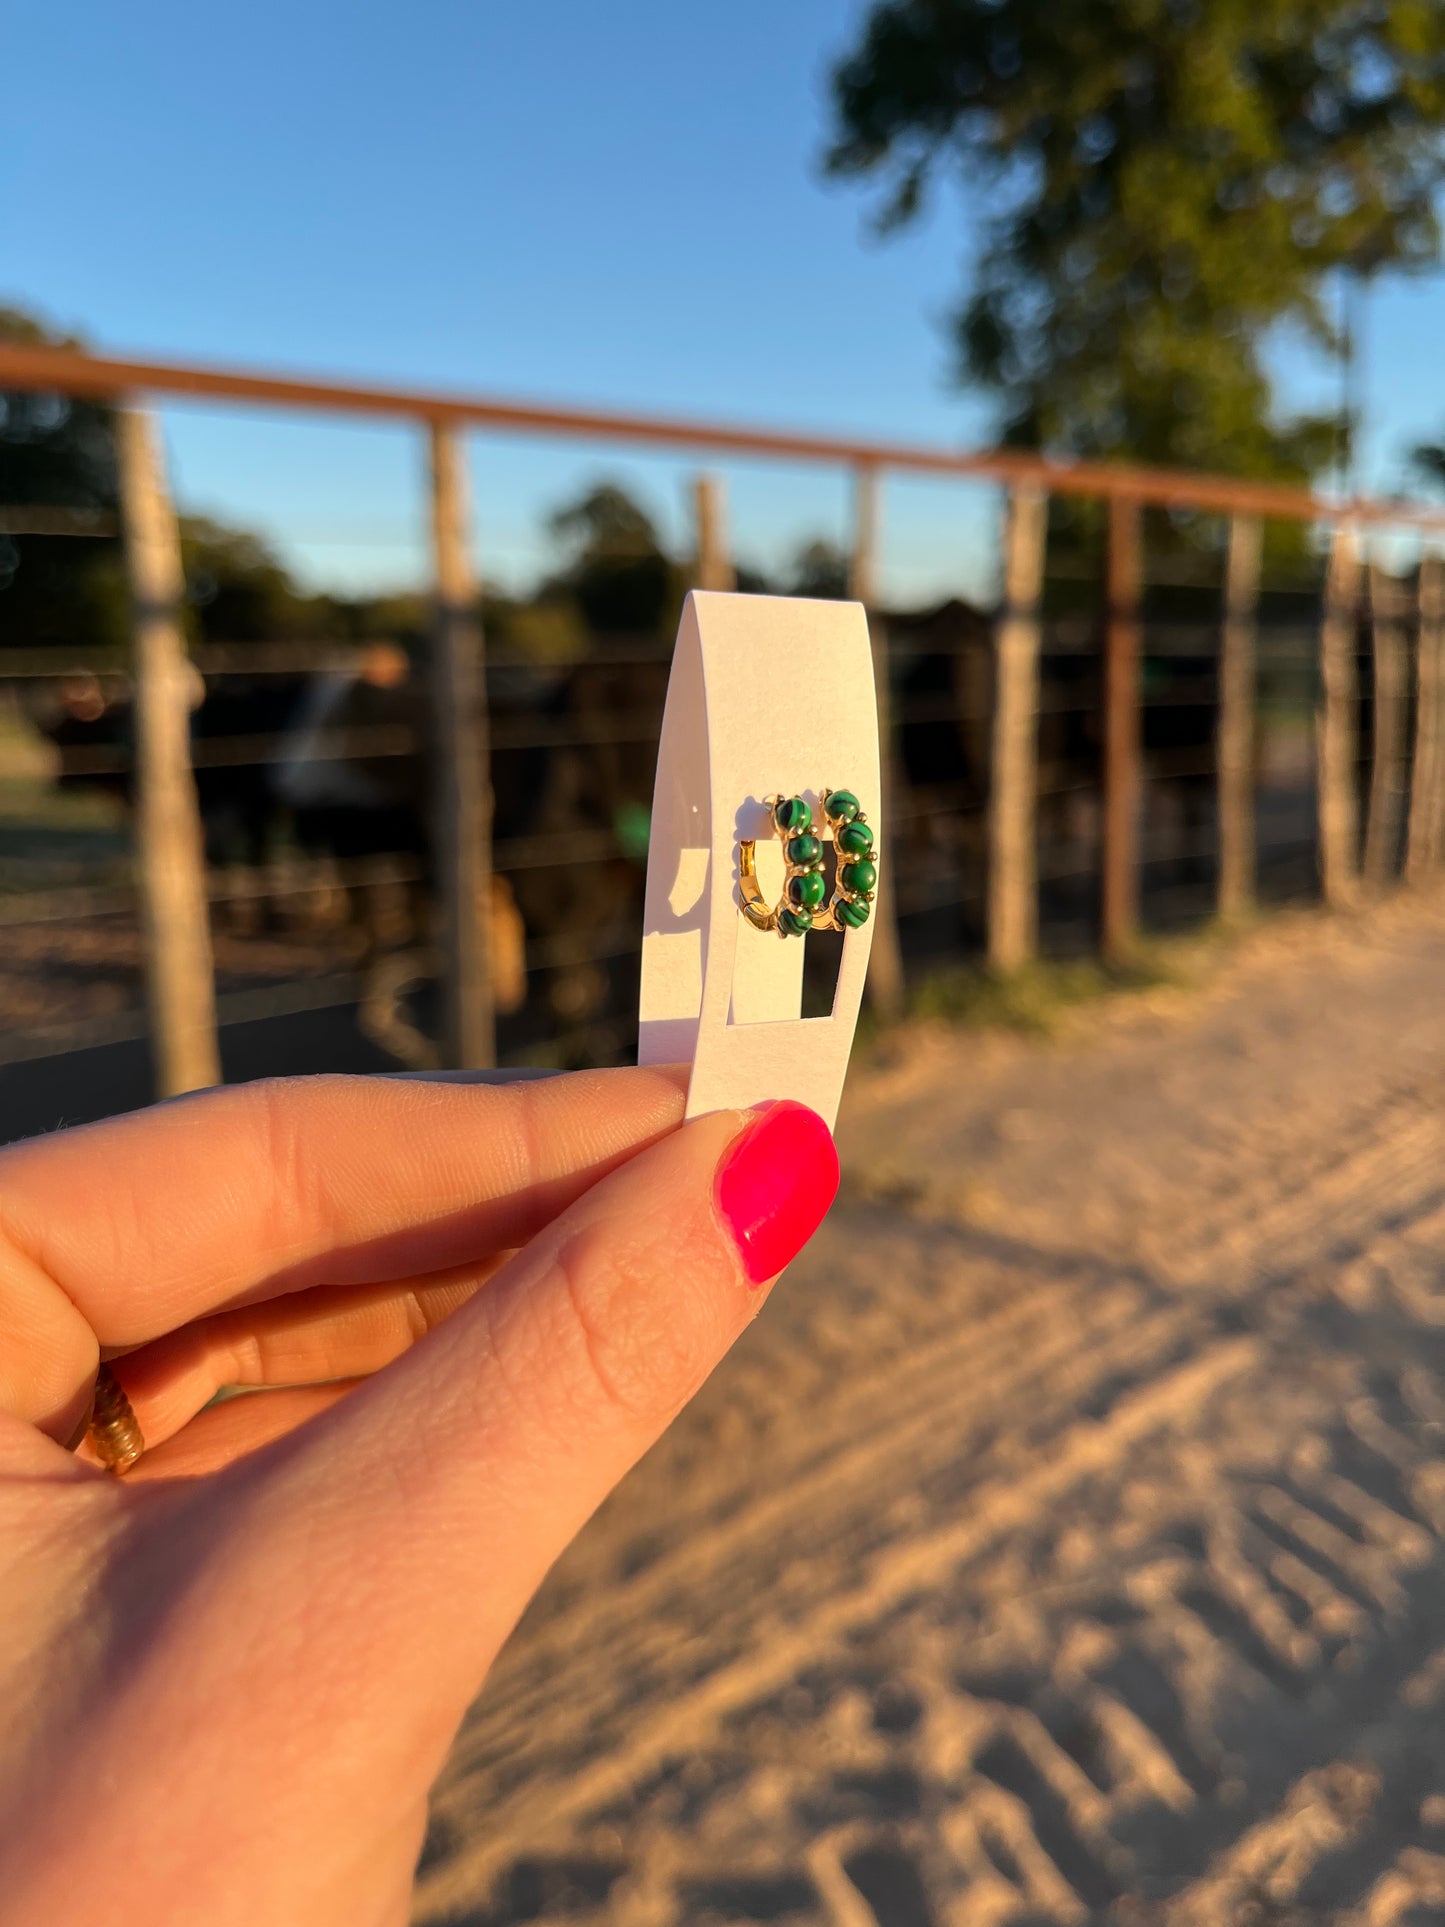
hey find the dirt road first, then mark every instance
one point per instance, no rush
(1067, 1541)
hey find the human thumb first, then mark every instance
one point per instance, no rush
(424, 1509)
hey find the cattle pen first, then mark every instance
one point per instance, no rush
(1359, 667)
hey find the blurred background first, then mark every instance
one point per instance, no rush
(373, 388)
(938, 227)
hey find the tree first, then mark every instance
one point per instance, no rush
(54, 452)
(69, 591)
(239, 589)
(1427, 464)
(615, 567)
(1169, 184)
(820, 569)
(57, 459)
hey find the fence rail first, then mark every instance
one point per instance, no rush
(109, 378)
(1360, 837)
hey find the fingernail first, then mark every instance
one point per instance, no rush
(775, 1185)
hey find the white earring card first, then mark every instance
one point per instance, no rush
(769, 696)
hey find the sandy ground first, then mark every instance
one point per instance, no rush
(1065, 1542)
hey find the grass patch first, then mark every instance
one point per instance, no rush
(24, 803)
(76, 829)
(1036, 999)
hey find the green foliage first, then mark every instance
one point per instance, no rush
(615, 568)
(238, 588)
(547, 629)
(1169, 182)
(69, 592)
(1427, 463)
(1036, 998)
(820, 569)
(53, 452)
(57, 591)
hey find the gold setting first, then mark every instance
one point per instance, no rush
(765, 916)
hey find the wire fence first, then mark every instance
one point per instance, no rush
(453, 844)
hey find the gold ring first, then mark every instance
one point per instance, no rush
(801, 907)
(115, 1437)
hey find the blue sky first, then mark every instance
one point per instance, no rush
(618, 205)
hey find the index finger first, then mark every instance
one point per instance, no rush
(114, 1233)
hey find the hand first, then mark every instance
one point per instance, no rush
(229, 1678)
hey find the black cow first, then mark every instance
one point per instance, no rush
(942, 679)
(942, 683)
(91, 721)
(1178, 727)
(336, 763)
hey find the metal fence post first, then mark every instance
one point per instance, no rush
(1234, 748)
(885, 961)
(1336, 724)
(1122, 730)
(1387, 762)
(462, 804)
(1013, 888)
(714, 565)
(170, 849)
(1427, 782)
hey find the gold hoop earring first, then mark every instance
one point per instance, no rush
(802, 906)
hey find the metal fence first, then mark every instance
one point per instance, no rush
(1112, 743)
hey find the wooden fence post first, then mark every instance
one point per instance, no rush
(1427, 783)
(1013, 885)
(462, 798)
(885, 960)
(1234, 749)
(714, 566)
(1387, 760)
(1122, 730)
(1336, 724)
(170, 849)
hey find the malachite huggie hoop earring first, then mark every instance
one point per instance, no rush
(801, 907)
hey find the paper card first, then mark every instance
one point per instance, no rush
(768, 695)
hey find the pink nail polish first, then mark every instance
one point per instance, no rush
(775, 1184)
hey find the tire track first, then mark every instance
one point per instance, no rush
(907, 1568)
(1147, 1633)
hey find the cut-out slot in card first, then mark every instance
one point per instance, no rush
(768, 696)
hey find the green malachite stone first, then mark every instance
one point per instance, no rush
(804, 849)
(861, 875)
(796, 923)
(791, 814)
(842, 805)
(855, 839)
(808, 890)
(855, 915)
